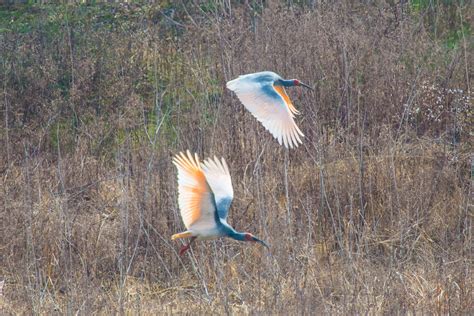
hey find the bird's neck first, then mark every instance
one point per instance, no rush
(231, 232)
(287, 83)
(236, 235)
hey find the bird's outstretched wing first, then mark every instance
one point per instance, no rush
(195, 198)
(271, 106)
(218, 177)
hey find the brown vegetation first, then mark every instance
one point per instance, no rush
(372, 214)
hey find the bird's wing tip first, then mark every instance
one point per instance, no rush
(187, 161)
(231, 85)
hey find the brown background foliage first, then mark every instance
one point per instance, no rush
(372, 214)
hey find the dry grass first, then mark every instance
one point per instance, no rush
(373, 214)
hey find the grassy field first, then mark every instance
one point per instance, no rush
(371, 215)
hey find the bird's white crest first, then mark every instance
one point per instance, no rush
(258, 94)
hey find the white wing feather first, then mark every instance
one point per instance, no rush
(195, 197)
(268, 107)
(218, 177)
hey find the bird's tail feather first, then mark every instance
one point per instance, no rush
(181, 235)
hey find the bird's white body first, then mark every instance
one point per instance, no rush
(206, 234)
(258, 78)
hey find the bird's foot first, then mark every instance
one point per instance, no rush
(183, 249)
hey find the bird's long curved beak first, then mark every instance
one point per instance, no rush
(306, 86)
(262, 242)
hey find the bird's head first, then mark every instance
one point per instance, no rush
(296, 82)
(250, 237)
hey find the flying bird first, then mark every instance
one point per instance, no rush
(263, 94)
(204, 196)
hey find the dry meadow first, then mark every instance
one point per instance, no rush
(371, 215)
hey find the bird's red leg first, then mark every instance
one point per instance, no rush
(186, 247)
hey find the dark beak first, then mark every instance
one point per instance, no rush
(306, 86)
(262, 242)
